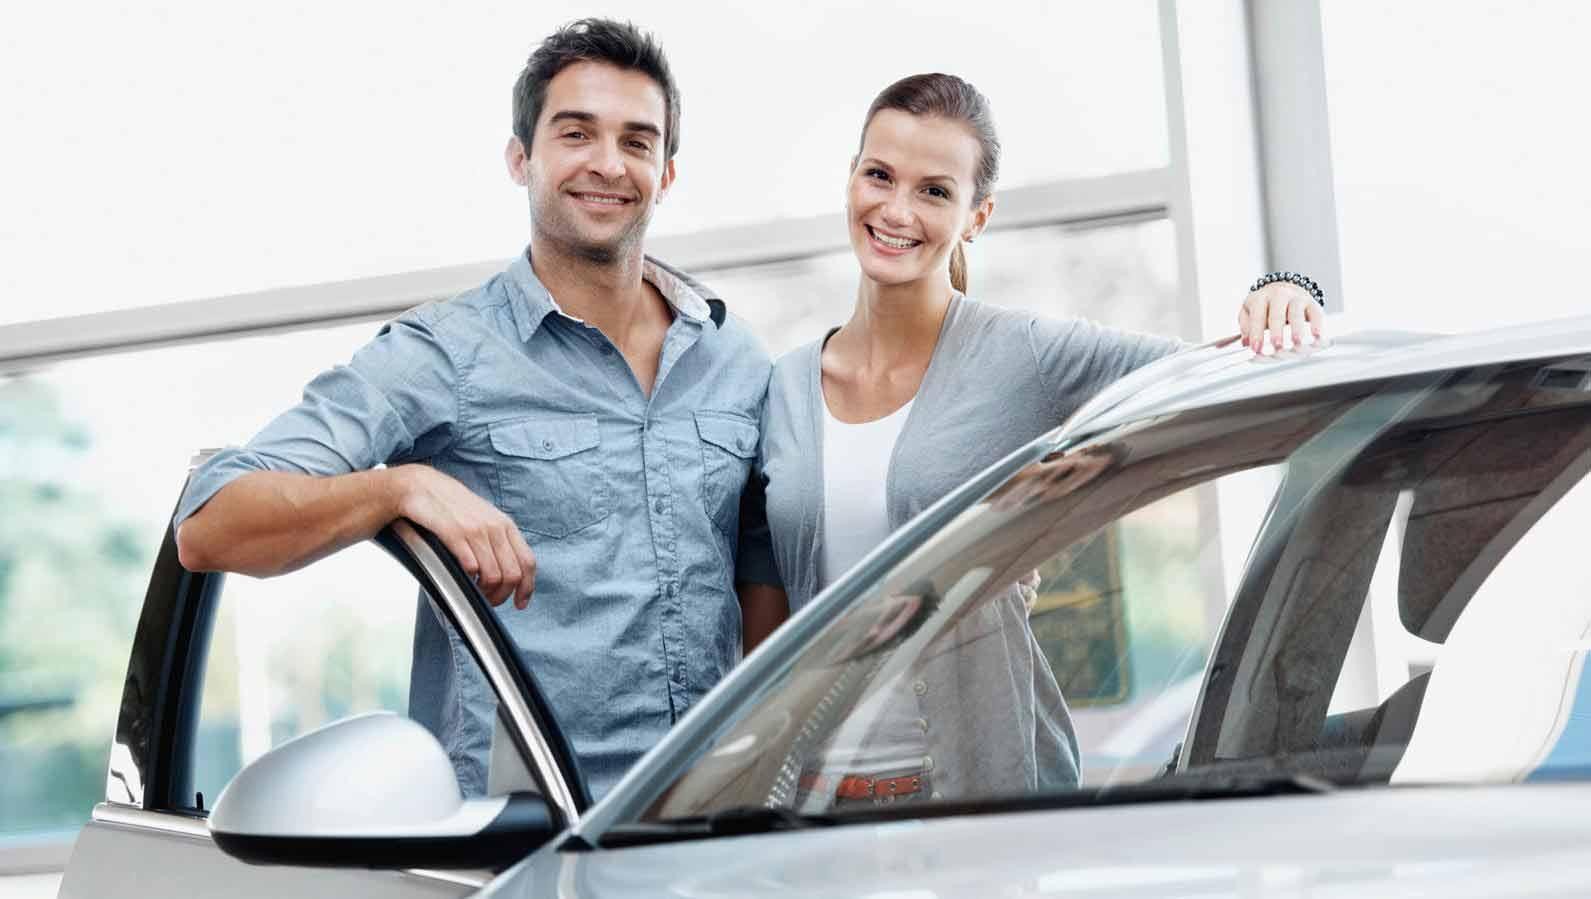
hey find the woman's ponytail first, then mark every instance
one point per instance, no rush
(958, 268)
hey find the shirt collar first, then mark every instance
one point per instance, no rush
(687, 296)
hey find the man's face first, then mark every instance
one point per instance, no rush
(596, 166)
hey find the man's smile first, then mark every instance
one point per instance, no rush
(601, 198)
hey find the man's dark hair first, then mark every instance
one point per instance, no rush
(618, 44)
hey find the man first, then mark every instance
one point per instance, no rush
(582, 425)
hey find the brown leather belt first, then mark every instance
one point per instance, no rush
(857, 786)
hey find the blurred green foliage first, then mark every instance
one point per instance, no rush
(72, 575)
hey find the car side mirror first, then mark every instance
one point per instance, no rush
(372, 791)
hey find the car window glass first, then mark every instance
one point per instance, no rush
(293, 653)
(1383, 552)
(1031, 658)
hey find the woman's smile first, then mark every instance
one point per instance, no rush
(890, 244)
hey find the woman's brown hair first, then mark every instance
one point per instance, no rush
(949, 97)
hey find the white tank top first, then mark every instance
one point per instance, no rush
(855, 521)
(855, 463)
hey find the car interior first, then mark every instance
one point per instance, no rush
(1478, 460)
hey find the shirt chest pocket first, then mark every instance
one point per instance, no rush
(549, 472)
(729, 444)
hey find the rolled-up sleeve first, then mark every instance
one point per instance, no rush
(396, 400)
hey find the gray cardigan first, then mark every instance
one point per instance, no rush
(997, 379)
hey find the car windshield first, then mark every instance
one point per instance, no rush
(1370, 583)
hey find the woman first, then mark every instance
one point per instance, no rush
(920, 389)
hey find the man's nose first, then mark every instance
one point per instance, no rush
(607, 161)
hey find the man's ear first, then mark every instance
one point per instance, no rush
(518, 161)
(666, 183)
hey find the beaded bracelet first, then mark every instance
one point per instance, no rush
(1303, 281)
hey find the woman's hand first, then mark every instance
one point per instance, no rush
(1277, 308)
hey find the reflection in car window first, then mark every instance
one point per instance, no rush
(949, 679)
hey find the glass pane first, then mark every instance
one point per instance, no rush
(1120, 275)
(92, 456)
(264, 175)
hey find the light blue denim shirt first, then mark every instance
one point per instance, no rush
(631, 503)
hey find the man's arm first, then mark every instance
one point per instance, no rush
(309, 483)
(268, 522)
(763, 607)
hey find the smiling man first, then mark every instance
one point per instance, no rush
(582, 426)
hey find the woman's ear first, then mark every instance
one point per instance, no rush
(979, 220)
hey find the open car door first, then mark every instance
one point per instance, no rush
(329, 812)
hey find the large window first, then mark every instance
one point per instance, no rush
(1122, 275)
(1450, 217)
(92, 456)
(306, 149)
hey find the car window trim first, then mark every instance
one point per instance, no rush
(534, 728)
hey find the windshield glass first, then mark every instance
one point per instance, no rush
(1363, 584)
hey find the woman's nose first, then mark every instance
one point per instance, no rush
(896, 211)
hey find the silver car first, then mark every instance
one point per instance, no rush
(1307, 624)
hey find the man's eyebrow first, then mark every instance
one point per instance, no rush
(576, 115)
(570, 115)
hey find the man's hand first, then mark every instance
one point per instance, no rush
(1276, 308)
(485, 541)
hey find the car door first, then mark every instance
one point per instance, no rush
(149, 835)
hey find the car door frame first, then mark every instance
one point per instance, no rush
(149, 781)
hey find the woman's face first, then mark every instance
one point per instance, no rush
(909, 200)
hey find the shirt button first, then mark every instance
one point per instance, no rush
(922, 725)
(658, 507)
(928, 763)
(671, 546)
(920, 688)
(546, 444)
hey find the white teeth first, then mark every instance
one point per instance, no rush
(898, 243)
(611, 201)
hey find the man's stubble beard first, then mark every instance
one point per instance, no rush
(555, 228)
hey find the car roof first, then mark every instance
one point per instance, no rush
(1225, 371)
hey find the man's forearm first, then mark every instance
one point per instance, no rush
(266, 523)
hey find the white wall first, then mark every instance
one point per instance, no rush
(1460, 148)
